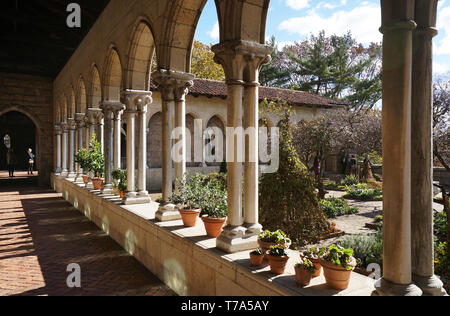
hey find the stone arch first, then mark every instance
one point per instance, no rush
(81, 96)
(95, 88)
(216, 121)
(65, 109)
(113, 79)
(234, 23)
(154, 141)
(71, 103)
(141, 56)
(178, 35)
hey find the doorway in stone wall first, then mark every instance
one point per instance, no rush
(17, 132)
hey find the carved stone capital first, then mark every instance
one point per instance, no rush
(173, 85)
(58, 129)
(136, 100)
(64, 127)
(80, 120)
(95, 116)
(238, 56)
(71, 124)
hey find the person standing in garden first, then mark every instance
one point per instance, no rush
(31, 157)
(10, 161)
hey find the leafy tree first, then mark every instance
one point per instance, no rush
(203, 65)
(274, 74)
(441, 119)
(287, 197)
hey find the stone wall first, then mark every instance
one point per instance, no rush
(32, 96)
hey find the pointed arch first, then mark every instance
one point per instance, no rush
(141, 56)
(71, 103)
(81, 96)
(113, 75)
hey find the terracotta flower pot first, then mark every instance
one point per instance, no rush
(122, 194)
(97, 182)
(336, 277)
(256, 260)
(317, 265)
(85, 179)
(189, 216)
(277, 264)
(265, 246)
(214, 226)
(303, 276)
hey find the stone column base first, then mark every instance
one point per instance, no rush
(431, 286)
(167, 213)
(132, 199)
(108, 189)
(237, 238)
(90, 185)
(387, 288)
(71, 175)
(79, 179)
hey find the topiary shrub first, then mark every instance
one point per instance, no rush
(287, 198)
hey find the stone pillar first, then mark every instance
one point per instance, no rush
(118, 137)
(71, 150)
(87, 131)
(58, 133)
(136, 104)
(397, 29)
(108, 115)
(64, 148)
(95, 119)
(422, 150)
(173, 87)
(101, 131)
(80, 121)
(241, 61)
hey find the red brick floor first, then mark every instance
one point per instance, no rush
(41, 234)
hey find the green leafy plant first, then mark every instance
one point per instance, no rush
(97, 161)
(378, 219)
(307, 265)
(337, 207)
(314, 253)
(350, 180)
(258, 252)
(278, 251)
(82, 158)
(364, 194)
(340, 256)
(120, 177)
(277, 237)
(366, 249)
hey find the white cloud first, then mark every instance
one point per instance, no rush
(443, 45)
(215, 32)
(329, 6)
(440, 69)
(363, 21)
(297, 4)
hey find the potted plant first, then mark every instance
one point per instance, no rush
(257, 257)
(313, 255)
(268, 239)
(338, 264)
(214, 219)
(304, 272)
(82, 158)
(187, 199)
(120, 181)
(278, 259)
(97, 163)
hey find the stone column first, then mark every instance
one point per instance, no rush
(241, 61)
(80, 121)
(107, 110)
(87, 131)
(64, 148)
(101, 131)
(118, 137)
(397, 29)
(170, 83)
(58, 133)
(422, 150)
(95, 118)
(72, 126)
(136, 104)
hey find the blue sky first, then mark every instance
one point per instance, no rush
(294, 20)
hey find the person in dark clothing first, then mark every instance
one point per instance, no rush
(30, 161)
(10, 160)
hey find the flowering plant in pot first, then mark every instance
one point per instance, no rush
(82, 158)
(268, 239)
(120, 181)
(278, 259)
(313, 254)
(257, 257)
(97, 163)
(304, 272)
(338, 264)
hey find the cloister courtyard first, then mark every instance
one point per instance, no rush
(161, 166)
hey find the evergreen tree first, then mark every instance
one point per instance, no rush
(273, 74)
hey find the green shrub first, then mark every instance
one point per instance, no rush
(120, 177)
(330, 185)
(350, 180)
(364, 194)
(367, 249)
(337, 207)
(442, 261)
(339, 256)
(278, 237)
(287, 198)
(440, 226)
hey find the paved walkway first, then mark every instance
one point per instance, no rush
(41, 234)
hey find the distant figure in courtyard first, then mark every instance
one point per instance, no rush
(317, 167)
(30, 161)
(10, 161)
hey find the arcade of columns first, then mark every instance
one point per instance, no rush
(408, 27)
